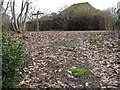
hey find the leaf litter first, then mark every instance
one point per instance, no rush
(56, 58)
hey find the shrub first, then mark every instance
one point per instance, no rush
(13, 61)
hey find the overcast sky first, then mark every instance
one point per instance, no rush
(55, 5)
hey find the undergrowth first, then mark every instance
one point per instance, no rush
(14, 59)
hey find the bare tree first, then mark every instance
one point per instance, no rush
(1, 3)
(30, 12)
(19, 22)
(0, 46)
(112, 11)
(7, 6)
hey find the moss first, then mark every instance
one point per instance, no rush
(71, 43)
(80, 72)
(77, 55)
(53, 86)
(64, 42)
(96, 41)
(63, 64)
(64, 72)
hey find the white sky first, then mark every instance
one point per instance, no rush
(55, 5)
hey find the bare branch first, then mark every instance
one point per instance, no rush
(6, 7)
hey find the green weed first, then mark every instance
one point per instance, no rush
(14, 59)
(96, 41)
(64, 42)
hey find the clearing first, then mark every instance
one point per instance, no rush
(72, 59)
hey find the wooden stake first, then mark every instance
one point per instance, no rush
(38, 13)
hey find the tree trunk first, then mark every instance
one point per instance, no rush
(0, 45)
(0, 16)
(19, 23)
